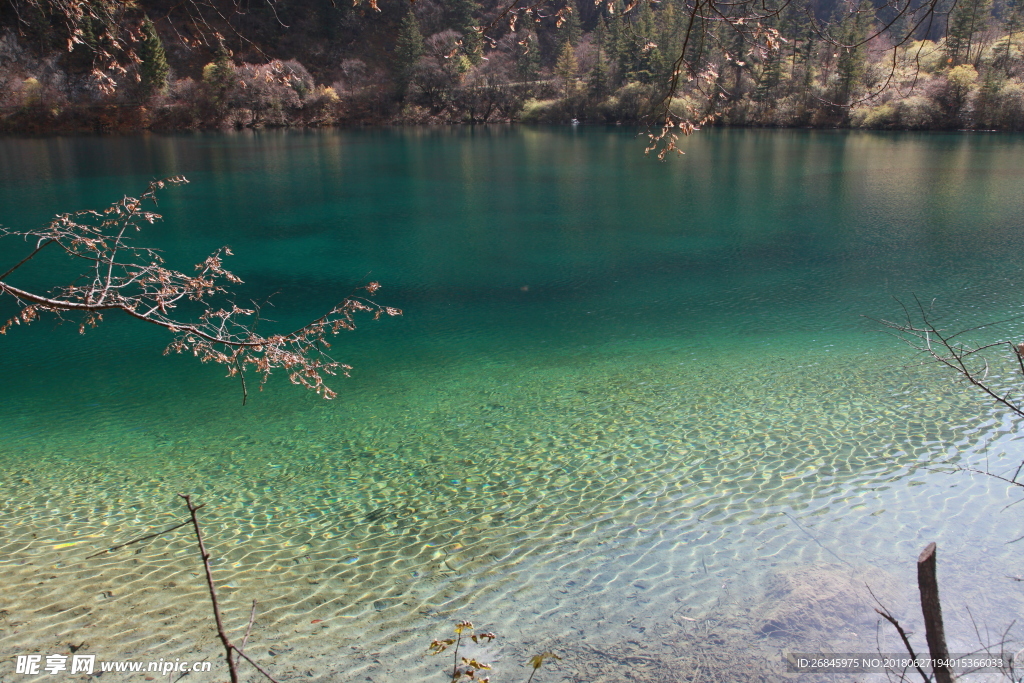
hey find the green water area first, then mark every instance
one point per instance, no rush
(633, 413)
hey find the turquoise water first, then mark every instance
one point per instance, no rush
(624, 398)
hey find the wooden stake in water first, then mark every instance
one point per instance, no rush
(932, 609)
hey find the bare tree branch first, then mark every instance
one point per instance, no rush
(920, 333)
(138, 540)
(229, 648)
(972, 363)
(903, 636)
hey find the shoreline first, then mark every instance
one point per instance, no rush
(121, 119)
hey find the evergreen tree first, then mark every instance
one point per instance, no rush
(408, 50)
(613, 31)
(83, 54)
(852, 61)
(987, 103)
(623, 47)
(807, 61)
(571, 29)
(220, 74)
(154, 69)
(597, 83)
(966, 21)
(1013, 22)
(649, 61)
(600, 35)
(696, 45)
(771, 74)
(901, 26)
(639, 56)
(526, 57)
(736, 48)
(567, 69)
(795, 27)
(459, 15)
(222, 69)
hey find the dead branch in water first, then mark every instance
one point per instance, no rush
(229, 648)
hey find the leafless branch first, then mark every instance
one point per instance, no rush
(920, 332)
(884, 613)
(248, 629)
(229, 648)
(137, 540)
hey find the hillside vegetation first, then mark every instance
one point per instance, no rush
(82, 65)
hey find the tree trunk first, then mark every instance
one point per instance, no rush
(934, 632)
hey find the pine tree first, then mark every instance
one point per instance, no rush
(807, 60)
(771, 73)
(794, 25)
(459, 15)
(696, 46)
(735, 47)
(567, 69)
(600, 35)
(639, 56)
(154, 69)
(597, 83)
(408, 50)
(852, 62)
(620, 42)
(571, 29)
(648, 60)
(966, 21)
(220, 74)
(900, 27)
(986, 104)
(222, 69)
(526, 57)
(1013, 22)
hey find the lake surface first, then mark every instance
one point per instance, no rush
(629, 407)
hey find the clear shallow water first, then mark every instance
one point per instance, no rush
(623, 396)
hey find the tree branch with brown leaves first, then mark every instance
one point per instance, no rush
(120, 276)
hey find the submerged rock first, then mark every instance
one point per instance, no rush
(826, 600)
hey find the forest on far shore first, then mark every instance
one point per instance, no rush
(117, 65)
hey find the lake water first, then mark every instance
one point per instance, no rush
(632, 413)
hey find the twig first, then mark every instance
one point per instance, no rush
(248, 629)
(899, 629)
(906, 641)
(929, 339)
(211, 587)
(137, 540)
(241, 376)
(25, 260)
(455, 658)
(812, 537)
(258, 667)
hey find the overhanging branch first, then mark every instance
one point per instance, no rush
(123, 277)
